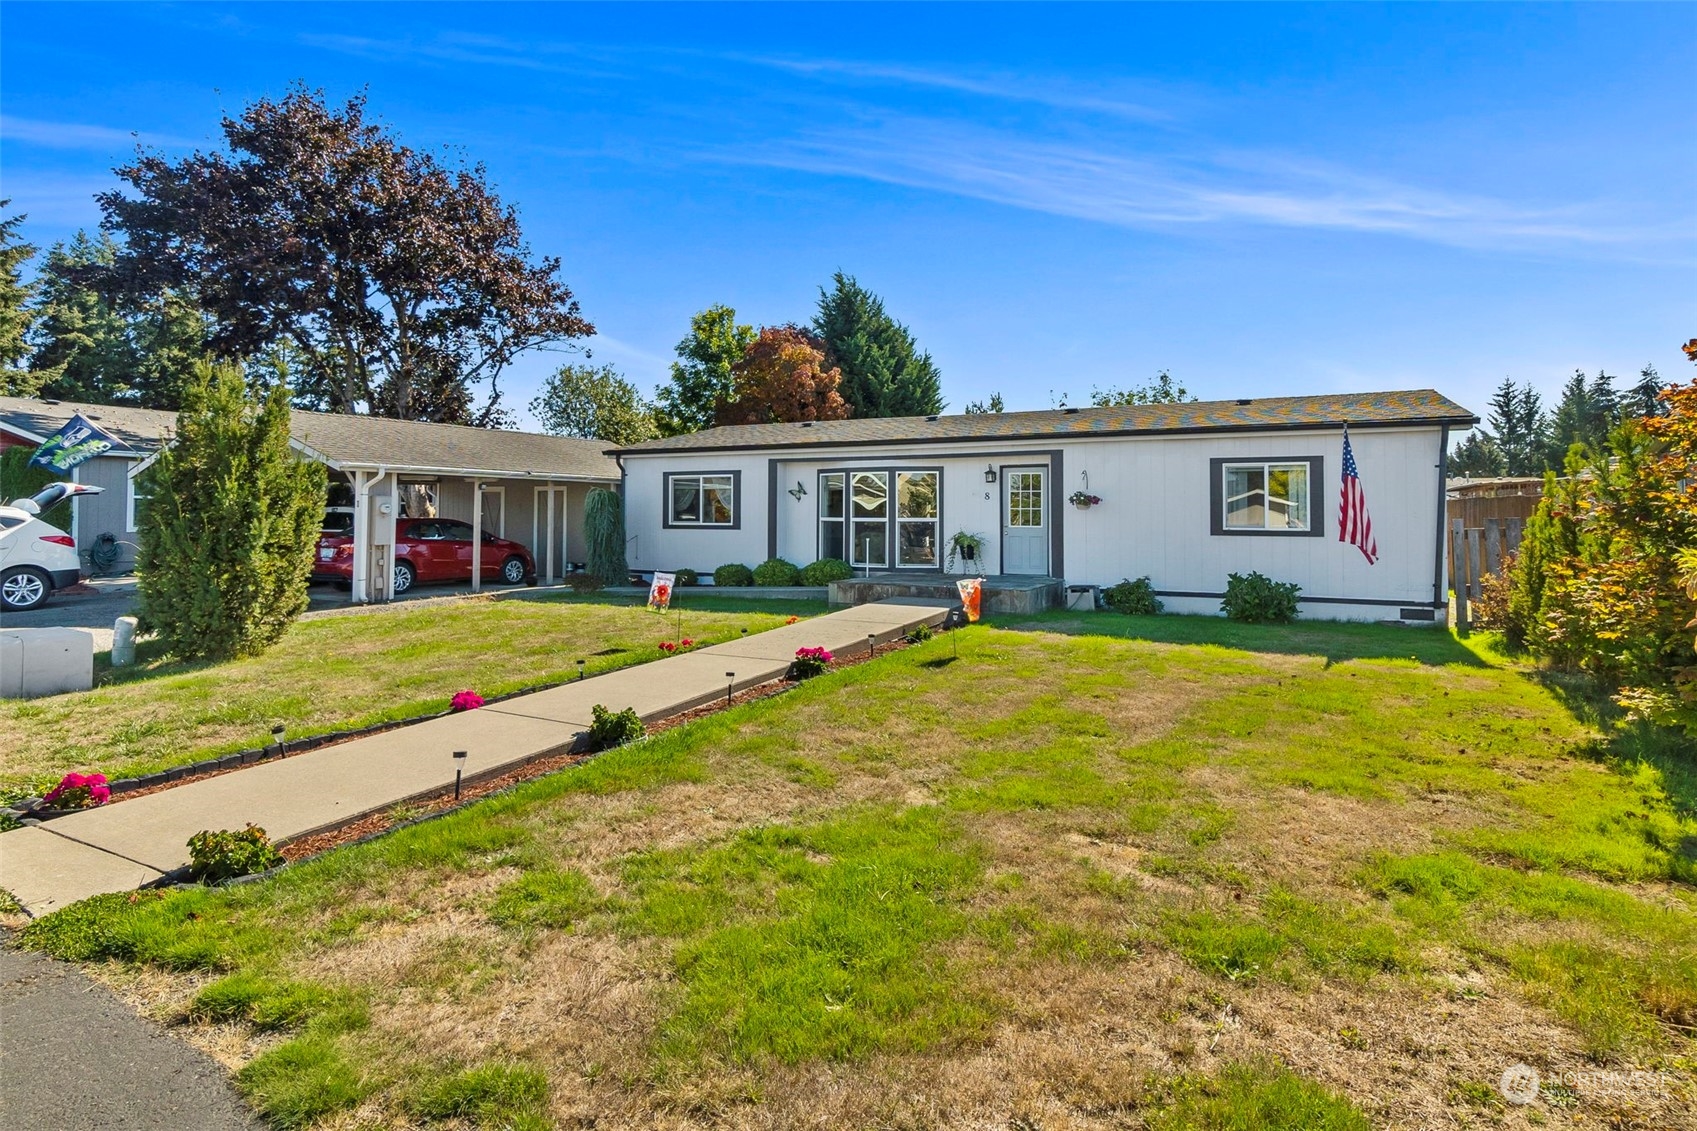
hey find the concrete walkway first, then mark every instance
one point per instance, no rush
(122, 846)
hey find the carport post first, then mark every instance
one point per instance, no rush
(360, 581)
(477, 537)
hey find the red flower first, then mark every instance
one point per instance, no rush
(792, 620)
(668, 646)
(686, 643)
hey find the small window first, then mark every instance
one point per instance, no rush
(419, 498)
(707, 499)
(1265, 496)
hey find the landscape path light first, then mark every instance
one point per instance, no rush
(459, 770)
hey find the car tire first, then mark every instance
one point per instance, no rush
(24, 588)
(513, 571)
(404, 577)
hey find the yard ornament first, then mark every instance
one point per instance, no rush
(970, 590)
(660, 592)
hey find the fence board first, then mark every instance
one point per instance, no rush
(1458, 572)
(1516, 529)
(1493, 547)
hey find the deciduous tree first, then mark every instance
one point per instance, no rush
(1162, 390)
(402, 284)
(883, 371)
(994, 404)
(596, 404)
(783, 378)
(701, 377)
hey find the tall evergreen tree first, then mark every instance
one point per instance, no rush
(16, 378)
(701, 377)
(231, 521)
(1477, 456)
(82, 341)
(1588, 411)
(1517, 425)
(884, 374)
(1644, 398)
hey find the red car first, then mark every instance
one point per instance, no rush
(428, 549)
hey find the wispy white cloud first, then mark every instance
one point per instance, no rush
(78, 135)
(1125, 188)
(1058, 94)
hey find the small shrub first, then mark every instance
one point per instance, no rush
(608, 729)
(826, 570)
(583, 582)
(810, 662)
(686, 576)
(226, 854)
(1491, 610)
(1257, 599)
(776, 572)
(1134, 598)
(492, 1095)
(733, 574)
(919, 633)
(78, 791)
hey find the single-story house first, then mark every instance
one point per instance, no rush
(1189, 493)
(532, 486)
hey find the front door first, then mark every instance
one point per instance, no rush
(1025, 520)
(548, 532)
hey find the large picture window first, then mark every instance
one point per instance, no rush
(1266, 496)
(702, 499)
(881, 519)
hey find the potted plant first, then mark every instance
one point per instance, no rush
(967, 546)
(1084, 500)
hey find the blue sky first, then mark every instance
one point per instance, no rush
(1265, 199)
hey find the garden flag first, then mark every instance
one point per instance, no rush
(970, 589)
(1355, 525)
(660, 592)
(77, 442)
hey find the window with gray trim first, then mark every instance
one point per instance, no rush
(702, 499)
(1267, 496)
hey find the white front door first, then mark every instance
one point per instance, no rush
(1025, 520)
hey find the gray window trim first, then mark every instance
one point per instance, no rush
(666, 522)
(1316, 497)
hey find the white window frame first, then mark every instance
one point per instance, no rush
(726, 480)
(1312, 468)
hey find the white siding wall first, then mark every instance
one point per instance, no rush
(1154, 519)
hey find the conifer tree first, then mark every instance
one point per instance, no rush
(1518, 427)
(16, 379)
(883, 372)
(230, 523)
(1644, 398)
(604, 537)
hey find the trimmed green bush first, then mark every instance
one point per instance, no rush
(608, 729)
(826, 570)
(1257, 599)
(231, 522)
(919, 633)
(686, 576)
(776, 572)
(733, 574)
(1134, 598)
(604, 537)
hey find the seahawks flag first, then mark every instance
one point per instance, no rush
(77, 442)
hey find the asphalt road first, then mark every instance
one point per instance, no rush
(75, 1058)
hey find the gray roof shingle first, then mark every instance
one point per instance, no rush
(1417, 406)
(349, 440)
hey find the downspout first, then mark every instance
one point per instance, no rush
(1440, 599)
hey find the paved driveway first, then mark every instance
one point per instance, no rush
(113, 597)
(75, 1058)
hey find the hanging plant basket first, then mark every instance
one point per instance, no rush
(1083, 501)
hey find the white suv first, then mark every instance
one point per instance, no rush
(36, 558)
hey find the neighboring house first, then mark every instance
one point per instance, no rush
(533, 486)
(1189, 494)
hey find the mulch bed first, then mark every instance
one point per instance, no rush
(374, 824)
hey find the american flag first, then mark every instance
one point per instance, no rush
(1355, 525)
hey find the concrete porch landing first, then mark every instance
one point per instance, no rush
(1003, 593)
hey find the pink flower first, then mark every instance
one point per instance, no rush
(465, 701)
(819, 654)
(78, 791)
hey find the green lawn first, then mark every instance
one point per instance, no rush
(340, 672)
(1096, 872)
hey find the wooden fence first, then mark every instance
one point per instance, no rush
(1476, 552)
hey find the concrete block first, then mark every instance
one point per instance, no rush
(45, 661)
(123, 641)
